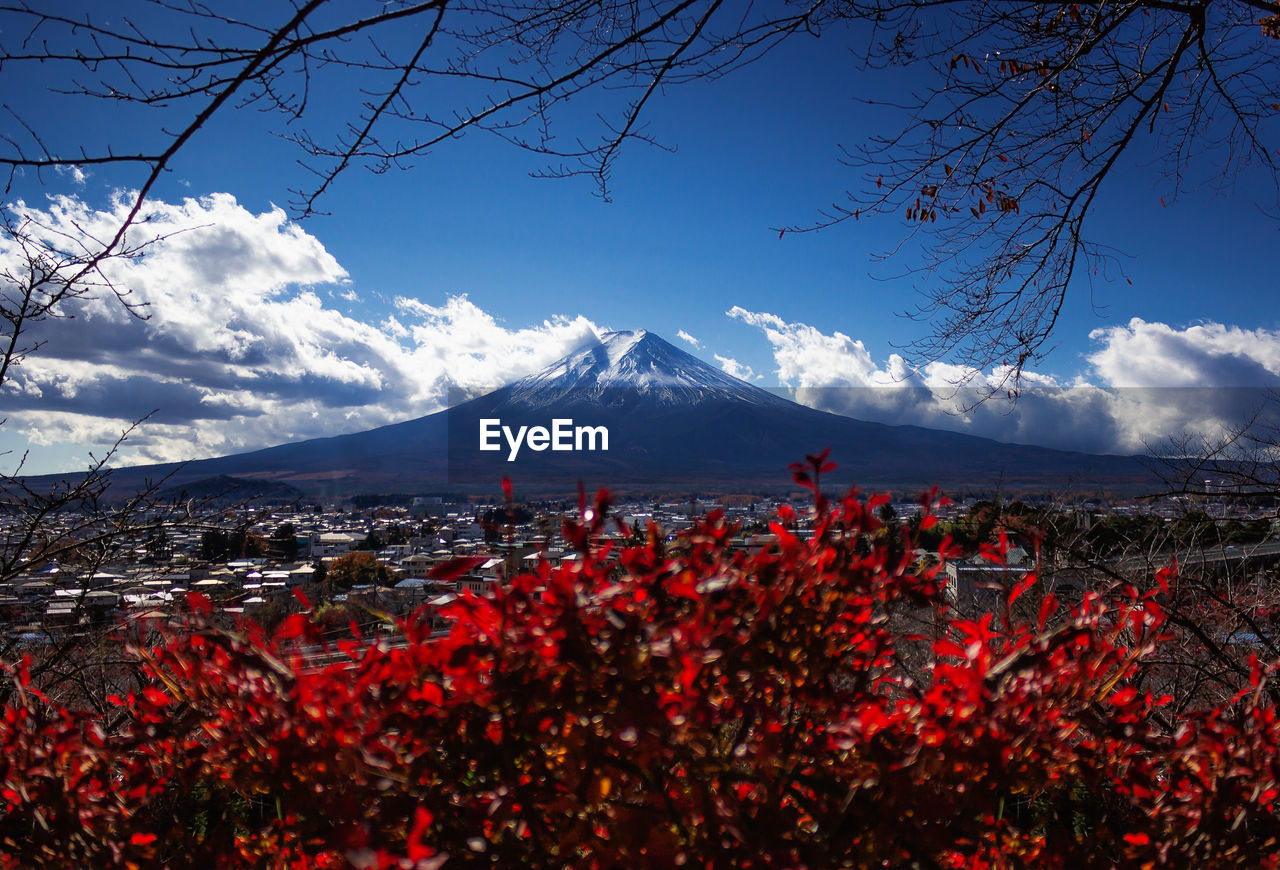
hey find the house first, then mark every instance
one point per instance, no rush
(331, 544)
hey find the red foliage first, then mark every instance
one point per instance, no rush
(811, 704)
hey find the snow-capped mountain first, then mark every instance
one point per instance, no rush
(626, 366)
(633, 412)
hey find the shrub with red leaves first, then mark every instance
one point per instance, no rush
(810, 704)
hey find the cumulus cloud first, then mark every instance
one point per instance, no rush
(469, 350)
(731, 366)
(1141, 354)
(238, 350)
(1147, 382)
(684, 336)
(1202, 379)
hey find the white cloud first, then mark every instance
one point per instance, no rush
(1202, 379)
(75, 173)
(239, 350)
(1142, 354)
(463, 346)
(1149, 381)
(731, 366)
(684, 336)
(808, 358)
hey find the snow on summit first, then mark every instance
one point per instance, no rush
(625, 365)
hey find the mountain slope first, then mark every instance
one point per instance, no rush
(673, 422)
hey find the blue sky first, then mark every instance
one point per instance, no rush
(481, 259)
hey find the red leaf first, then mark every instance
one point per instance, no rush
(431, 694)
(302, 598)
(199, 604)
(1047, 607)
(294, 625)
(949, 549)
(143, 839)
(1164, 575)
(455, 568)
(1022, 586)
(156, 696)
(417, 849)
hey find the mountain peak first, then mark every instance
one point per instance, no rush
(629, 364)
(620, 344)
(624, 335)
